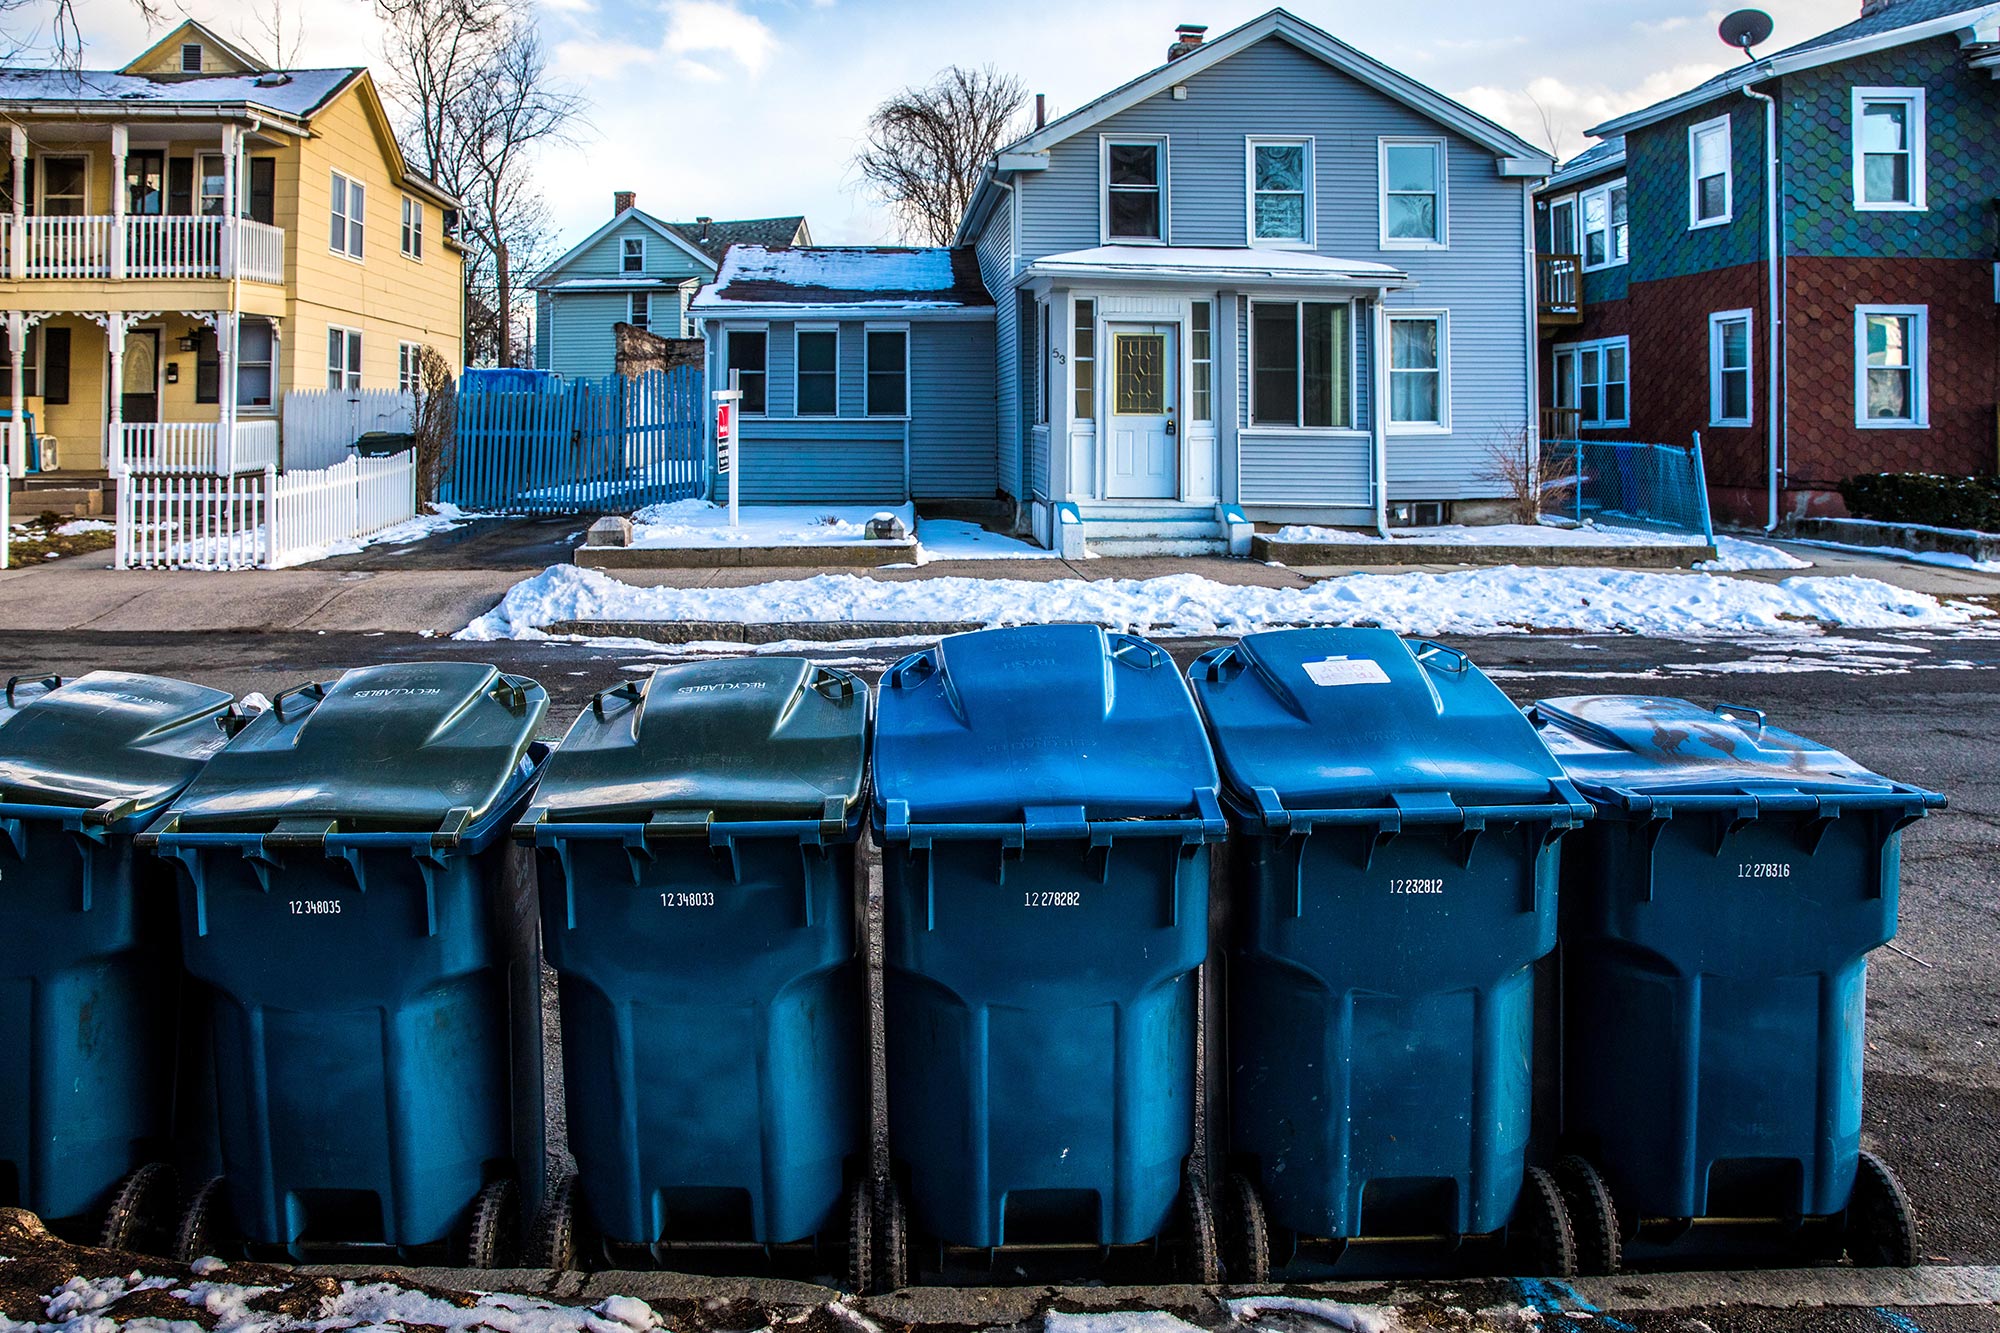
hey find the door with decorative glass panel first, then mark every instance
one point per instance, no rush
(1143, 460)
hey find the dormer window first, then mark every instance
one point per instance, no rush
(1134, 200)
(190, 57)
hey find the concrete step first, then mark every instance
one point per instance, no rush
(71, 502)
(1141, 512)
(1132, 546)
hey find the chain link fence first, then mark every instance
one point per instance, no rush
(1659, 485)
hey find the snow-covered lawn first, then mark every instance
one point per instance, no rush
(1732, 553)
(1504, 600)
(697, 523)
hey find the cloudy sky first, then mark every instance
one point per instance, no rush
(748, 108)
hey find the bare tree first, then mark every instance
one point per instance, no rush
(926, 147)
(276, 33)
(48, 28)
(1532, 480)
(434, 422)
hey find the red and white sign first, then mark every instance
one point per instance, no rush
(724, 421)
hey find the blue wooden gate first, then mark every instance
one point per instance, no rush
(567, 446)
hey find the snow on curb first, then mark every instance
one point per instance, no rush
(1504, 600)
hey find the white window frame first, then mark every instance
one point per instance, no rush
(1105, 143)
(1920, 366)
(1441, 237)
(251, 409)
(1083, 367)
(1716, 323)
(1441, 426)
(1583, 198)
(868, 370)
(1250, 146)
(730, 331)
(799, 331)
(349, 369)
(625, 241)
(632, 300)
(1299, 300)
(1695, 220)
(42, 180)
(1575, 244)
(202, 176)
(1201, 369)
(412, 237)
(409, 367)
(1044, 359)
(1599, 346)
(354, 223)
(1913, 98)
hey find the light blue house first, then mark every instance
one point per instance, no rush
(636, 269)
(1270, 280)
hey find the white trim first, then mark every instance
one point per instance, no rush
(1574, 202)
(632, 300)
(1251, 143)
(412, 224)
(42, 180)
(1298, 301)
(1440, 238)
(799, 331)
(1716, 321)
(1913, 99)
(1599, 346)
(730, 331)
(1612, 258)
(348, 220)
(1695, 220)
(624, 242)
(1442, 426)
(868, 369)
(1920, 366)
(409, 367)
(354, 348)
(547, 276)
(1163, 170)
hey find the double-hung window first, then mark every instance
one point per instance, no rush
(1412, 203)
(1302, 363)
(409, 367)
(256, 349)
(1606, 235)
(1729, 368)
(65, 186)
(888, 372)
(413, 228)
(1889, 148)
(1134, 205)
(632, 255)
(350, 200)
(1419, 359)
(1710, 190)
(1562, 226)
(816, 372)
(1281, 194)
(343, 358)
(1595, 378)
(744, 351)
(640, 312)
(1892, 366)
(212, 186)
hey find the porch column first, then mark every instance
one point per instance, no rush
(120, 144)
(114, 331)
(225, 392)
(17, 251)
(231, 138)
(17, 428)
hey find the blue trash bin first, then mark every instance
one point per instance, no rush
(1716, 921)
(91, 995)
(341, 871)
(1393, 886)
(696, 836)
(1045, 799)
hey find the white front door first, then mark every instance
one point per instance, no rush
(1143, 461)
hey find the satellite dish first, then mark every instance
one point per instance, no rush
(1746, 28)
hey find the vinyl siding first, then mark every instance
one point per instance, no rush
(997, 269)
(952, 436)
(580, 323)
(602, 258)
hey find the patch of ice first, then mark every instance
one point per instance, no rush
(1733, 554)
(1298, 1314)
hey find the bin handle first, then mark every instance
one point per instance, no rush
(1130, 646)
(1732, 712)
(1458, 663)
(511, 693)
(312, 688)
(912, 670)
(232, 720)
(1211, 664)
(46, 682)
(835, 685)
(624, 689)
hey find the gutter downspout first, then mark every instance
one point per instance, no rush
(1773, 353)
(1378, 412)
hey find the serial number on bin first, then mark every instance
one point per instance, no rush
(1763, 870)
(687, 900)
(315, 906)
(1046, 898)
(1416, 886)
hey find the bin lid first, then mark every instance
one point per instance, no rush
(769, 738)
(987, 726)
(1618, 747)
(420, 747)
(112, 742)
(1344, 719)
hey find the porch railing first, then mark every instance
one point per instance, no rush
(152, 247)
(1559, 289)
(190, 446)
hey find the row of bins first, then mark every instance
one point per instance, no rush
(355, 971)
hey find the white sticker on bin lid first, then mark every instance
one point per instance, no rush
(1346, 671)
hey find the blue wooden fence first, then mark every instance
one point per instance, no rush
(565, 446)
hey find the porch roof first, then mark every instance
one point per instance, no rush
(1224, 266)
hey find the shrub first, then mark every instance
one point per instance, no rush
(1925, 497)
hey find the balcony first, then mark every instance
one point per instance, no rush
(1558, 290)
(192, 447)
(148, 246)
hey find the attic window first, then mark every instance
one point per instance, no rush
(191, 57)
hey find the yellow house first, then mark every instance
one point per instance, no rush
(186, 240)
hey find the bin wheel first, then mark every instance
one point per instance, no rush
(1593, 1217)
(144, 1211)
(493, 1239)
(1202, 1264)
(1881, 1231)
(892, 1254)
(206, 1226)
(861, 1239)
(1540, 1235)
(1246, 1235)
(556, 1241)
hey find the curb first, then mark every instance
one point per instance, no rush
(1341, 554)
(830, 555)
(781, 631)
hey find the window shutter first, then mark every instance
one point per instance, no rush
(55, 365)
(263, 189)
(180, 186)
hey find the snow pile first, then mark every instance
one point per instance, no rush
(957, 539)
(1494, 534)
(1504, 600)
(1116, 1321)
(701, 523)
(1295, 1314)
(76, 527)
(1733, 554)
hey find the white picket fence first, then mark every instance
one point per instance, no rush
(264, 520)
(190, 446)
(321, 425)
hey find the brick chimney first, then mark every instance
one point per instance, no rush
(1187, 37)
(703, 224)
(1872, 7)
(622, 201)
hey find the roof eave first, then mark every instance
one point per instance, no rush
(713, 309)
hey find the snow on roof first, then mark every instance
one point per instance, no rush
(1238, 262)
(840, 276)
(1606, 156)
(301, 94)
